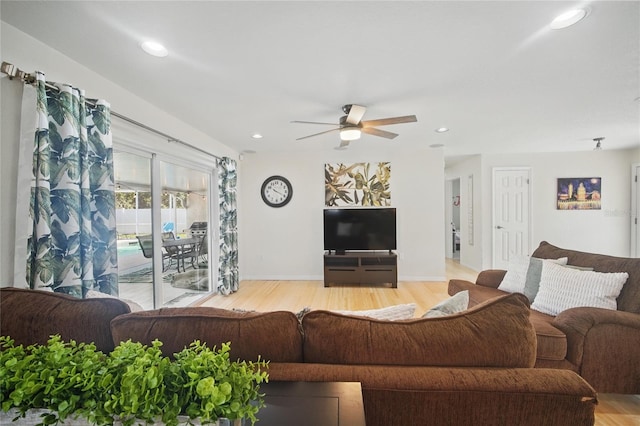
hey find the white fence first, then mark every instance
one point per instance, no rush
(132, 221)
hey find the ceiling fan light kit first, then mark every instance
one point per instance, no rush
(350, 134)
(351, 125)
(568, 18)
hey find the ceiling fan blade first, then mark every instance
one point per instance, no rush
(387, 121)
(314, 122)
(377, 132)
(318, 134)
(355, 114)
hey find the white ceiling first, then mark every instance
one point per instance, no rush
(490, 71)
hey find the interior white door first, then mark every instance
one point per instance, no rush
(511, 214)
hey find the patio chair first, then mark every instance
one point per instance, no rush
(146, 245)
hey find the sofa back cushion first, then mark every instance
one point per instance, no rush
(273, 336)
(495, 333)
(32, 316)
(629, 298)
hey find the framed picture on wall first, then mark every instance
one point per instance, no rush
(357, 184)
(579, 193)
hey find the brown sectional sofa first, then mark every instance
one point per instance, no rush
(601, 345)
(470, 368)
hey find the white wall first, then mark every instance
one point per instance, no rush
(287, 243)
(604, 231)
(29, 55)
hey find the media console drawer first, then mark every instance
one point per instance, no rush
(361, 268)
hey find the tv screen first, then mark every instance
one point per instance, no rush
(360, 229)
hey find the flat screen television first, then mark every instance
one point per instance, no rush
(359, 229)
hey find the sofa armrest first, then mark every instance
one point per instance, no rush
(603, 343)
(490, 277)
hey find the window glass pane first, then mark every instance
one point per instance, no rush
(133, 223)
(185, 217)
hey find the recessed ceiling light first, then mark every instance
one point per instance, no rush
(256, 136)
(154, 49)
(442, 129)
(568, 18)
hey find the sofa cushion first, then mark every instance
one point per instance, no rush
(456, 303)
(629, 298)
(562, 288)
(496, 333)
(389, 313)
(32, 316)
(273, 336)
(552, 342)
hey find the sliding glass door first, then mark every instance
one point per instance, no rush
(134, 226)
(185, 233)
(163, 211)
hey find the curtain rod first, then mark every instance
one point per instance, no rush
(14, 72)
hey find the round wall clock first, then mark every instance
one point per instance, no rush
(276, 191)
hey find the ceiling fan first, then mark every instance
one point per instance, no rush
(351, 125)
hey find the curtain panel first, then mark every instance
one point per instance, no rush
(71, 229)
(228, 279)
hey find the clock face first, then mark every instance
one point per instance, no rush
(276, 191)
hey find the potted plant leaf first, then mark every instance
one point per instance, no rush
(134, 384)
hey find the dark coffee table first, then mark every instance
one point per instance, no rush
(312, 404)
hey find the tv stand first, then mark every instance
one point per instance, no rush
(361, 268)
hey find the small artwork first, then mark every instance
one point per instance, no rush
(579, 193)
(357, 184)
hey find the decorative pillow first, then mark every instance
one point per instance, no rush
(532, 282)
(456, 303)
(300, 314)
(562, 288)
(390, 313)
(133, 306)
(514, 279)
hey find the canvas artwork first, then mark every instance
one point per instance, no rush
(357, 184)
(579, 193)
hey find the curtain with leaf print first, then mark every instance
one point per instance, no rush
(228, 243)
(72, 239)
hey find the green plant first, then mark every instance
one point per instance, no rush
(133, 384)
(58, 376)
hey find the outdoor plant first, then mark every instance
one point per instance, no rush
(134, 384)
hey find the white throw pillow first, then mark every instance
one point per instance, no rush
(532, 283)
(562, 288)
(390, 313)
(133, 306)
(516, 276)
(457, 303)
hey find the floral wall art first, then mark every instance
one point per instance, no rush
(579, 193)
(357, 184)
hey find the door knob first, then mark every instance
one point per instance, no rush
(499, 227)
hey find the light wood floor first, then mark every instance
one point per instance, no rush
(612, 410)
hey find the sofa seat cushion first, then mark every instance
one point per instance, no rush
(552, 342)
(274, 336)
(32, 316)
(496, 333)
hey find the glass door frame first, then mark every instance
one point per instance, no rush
(184, 157)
